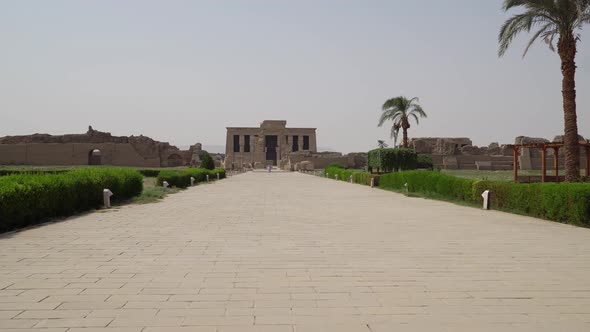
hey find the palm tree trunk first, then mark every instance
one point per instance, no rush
(567, 52)
(405, 142)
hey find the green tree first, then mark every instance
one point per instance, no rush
(554, 19)
(400, 110)
(207, 161)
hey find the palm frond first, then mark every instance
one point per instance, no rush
(418, 109)
(511, 28)
(553, 17)
(545, 32)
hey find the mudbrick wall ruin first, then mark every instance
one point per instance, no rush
(93, 147)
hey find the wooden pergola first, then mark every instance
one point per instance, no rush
(543, 147)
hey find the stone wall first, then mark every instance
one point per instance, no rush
(75, 149)
(531, 159)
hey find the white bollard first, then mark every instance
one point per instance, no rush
(406, 185)
(106, 195)
(207, 178)
(165, 184)
(486, 199)
(336, 177)
(327, 175)
(372, 182)
(350, 179)
(192, 181)
(217, 176)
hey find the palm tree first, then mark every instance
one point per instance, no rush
(381, 144)
(400, 110)
(553, 19)
(395, 133)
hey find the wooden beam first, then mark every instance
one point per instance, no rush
(543, 165)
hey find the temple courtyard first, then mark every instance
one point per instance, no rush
(295, 253)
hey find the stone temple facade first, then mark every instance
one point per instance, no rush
(258, 147)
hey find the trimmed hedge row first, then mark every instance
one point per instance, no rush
(567, 203)
(344, 175)
(392, 160)
(29, 199)
(6, 172)
(182, 179)
(149, 173)
(425, 162)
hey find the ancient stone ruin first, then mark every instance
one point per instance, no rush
(531, 158)
(460, 153)
(94, 148)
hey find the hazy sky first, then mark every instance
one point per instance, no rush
(182, 71)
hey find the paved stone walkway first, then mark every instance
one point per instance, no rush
(295, 253)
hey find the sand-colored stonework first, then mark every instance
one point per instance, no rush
(93, 147)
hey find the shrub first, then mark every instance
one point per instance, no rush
(344, 175)
(219, 171)
(178, 179)
(182, 179)
(430, 183)
(149, 173)
(207, 161)
(29, 199)
(335, 165)
(566, 202)
(5, 172)
(391, 160)
(425, 161)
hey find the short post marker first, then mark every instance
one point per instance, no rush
(207, 178)
(372, 182)
(486, 199)
(350, 179)
(106, 196)
(165, 184)
(217, 176)
(192, 181)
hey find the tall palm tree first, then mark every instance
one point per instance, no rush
(553, 19)
(381, 144)
(400, 110)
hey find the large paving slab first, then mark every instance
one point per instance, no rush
(292, 252)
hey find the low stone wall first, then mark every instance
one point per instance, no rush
(72, 154)
(76, 149)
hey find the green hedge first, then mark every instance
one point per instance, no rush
(344, 175)
(182, 179)
(392, 160)
(29, 199)
(428, 182)
(6, 172)
(425, 162)
(564, 202)
(149, 173)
